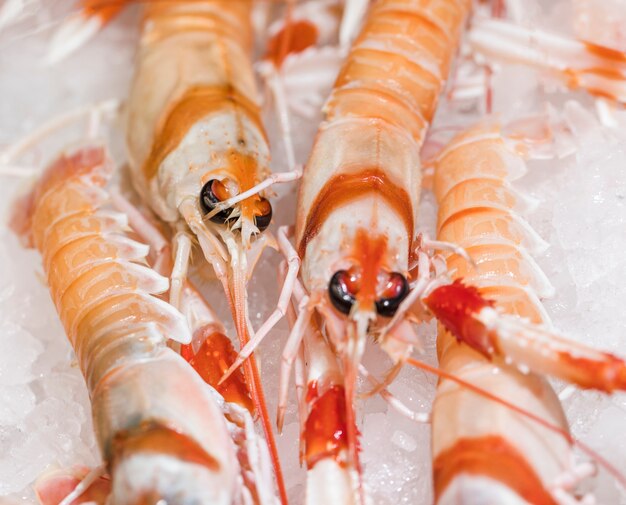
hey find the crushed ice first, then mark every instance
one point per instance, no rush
(581, 214)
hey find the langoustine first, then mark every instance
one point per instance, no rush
(150, 408)
(494, 454)
(358, 201)
(198, 150)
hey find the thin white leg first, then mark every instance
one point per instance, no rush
(446, 246)
(422, 281)
(289, 354)
(275, 83)
(19, 171)
(182, 254)
(211, 246)
(10, 153)
(75, 31)
(353, 14)
(293, 261)
(11, 11)
(300, 383)
(439, 265)
(84, 484)
(159, 246)
(393, 401)
(280, 177)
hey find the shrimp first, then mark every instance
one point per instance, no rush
(494, 453)
(358, 198)
(197, 149)
(150, 409)
(477, 203)
(210, 353)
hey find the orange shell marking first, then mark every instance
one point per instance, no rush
(344, 188)
(194, 105)
(293, 38)
(156, 438)
(106, 11)
(491, 457)
(370, 254)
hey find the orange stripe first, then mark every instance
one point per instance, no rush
(605, 52)
(294, 38)
(105, 10)
(155, 438)
(606, 373)
(492, 457)
(344, 188)
(196, 103)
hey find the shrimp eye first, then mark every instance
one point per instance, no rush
(263, 214)
(340, 291)
(212, 193)
(395, 291)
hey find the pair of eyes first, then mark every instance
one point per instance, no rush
(214, 192)
(342, 293)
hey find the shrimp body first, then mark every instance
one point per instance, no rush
(358, 200)
(150, 408)
(195, 140)
(360, 190)
(482, 448)
(478, 211)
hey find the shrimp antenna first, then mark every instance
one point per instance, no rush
(603, 462)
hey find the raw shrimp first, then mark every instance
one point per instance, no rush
(211, 353)
(322, 412)
(482, 448)
(198, 150)
(160, 428)
(477, 204)
(358, 199)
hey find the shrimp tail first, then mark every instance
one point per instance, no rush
(599, 70)
(474, 320)
(82, 26)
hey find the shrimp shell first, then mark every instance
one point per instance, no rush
(482, 448)
(150, 408)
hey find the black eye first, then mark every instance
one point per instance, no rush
(212, 193)
(264, 217)
(395, 291)
(340, 293)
